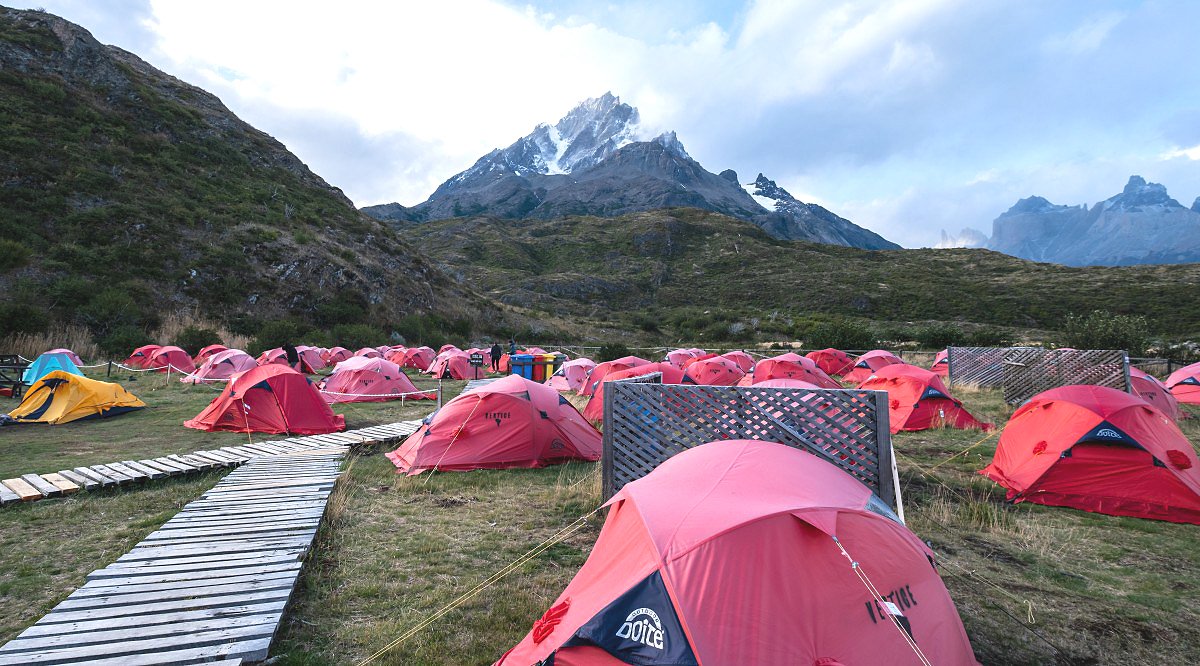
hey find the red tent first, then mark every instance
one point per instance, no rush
(1098, 449)
(1185, 384)
(790, 366)
(311, 356)
(447, 347)
(417, 357)
(271, 398)
(786, 383)
(140, 357)
(744, 361)
(512, 422)
(868, 363)
(203, 354)
(221, 366)
(1149, 388)
(749, 552)
(941, 364)
(919, 400)
(594, 411)
(715, 371)
(277, 356)
(395, 355)
(171, 359)
(833, 362)
(373, 380)
(335, 355)
(369, 352)
(454, 365)
(602, 369)
(571, 375)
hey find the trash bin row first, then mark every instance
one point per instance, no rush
(537, 367)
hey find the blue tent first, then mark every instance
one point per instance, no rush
(47, 363)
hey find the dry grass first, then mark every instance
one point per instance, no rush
(174, 323)
(31, 345)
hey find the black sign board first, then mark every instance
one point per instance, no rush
(477, 360)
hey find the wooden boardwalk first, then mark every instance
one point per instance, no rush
(209, 585)
(30, 487)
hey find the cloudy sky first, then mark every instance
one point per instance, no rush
(905, 116)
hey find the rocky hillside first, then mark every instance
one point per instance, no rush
(1141, 225)
(688, 263)
(595, 161)
(127, 193)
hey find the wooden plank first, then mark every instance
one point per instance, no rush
(43, 486)
(240, 451)
(79, 479)
(177, 468)
(49, 629)
(183, 597)
(262, 449)
(114, 474)
(23, 490)
(96, 476)
(7, 496)
(65, 485)
(198, 463)
(194, 567)
(183, 540)
(152, 472)
(223, 642)
(224, 461)
(187, 580)
(182, 630)
(131, 473)
(164, 554)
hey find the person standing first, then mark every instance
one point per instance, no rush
(293, 357)
(512, 347)
(495, 352)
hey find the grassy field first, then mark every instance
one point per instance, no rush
(393, 550)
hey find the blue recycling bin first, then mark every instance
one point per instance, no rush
(522, 364)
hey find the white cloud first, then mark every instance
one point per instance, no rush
(1192, 153)
(1087, 37)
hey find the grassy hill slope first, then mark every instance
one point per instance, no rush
(125, 193)
(674, 265)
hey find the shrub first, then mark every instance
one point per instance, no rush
(939, 336)
(122, 340)
(194, 338)
(988, 337)
(22, 318)
(611, 351)
(357, 336)
(275, 334)
(109, 310)
(337, 312)
(840, 335)
(13, 255)
(1101, 329)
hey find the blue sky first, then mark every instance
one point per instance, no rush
(907, 117)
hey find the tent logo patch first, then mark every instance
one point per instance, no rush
(1108, 433)
(643, 626)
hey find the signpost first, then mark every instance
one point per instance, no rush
(476, 362)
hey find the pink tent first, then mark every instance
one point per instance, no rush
(1149, 388)
(572, 375)
(677, 357)
(278, 356)
(369, 352)
(171, 359)
(202, 355)
(868, 363)
(373, 380)
(749, 552)
(715, 371)
(221, 366)
(70, 354)
(790, 366)
(743, 360)
(312, 356)
(335, 355)
(417, 357)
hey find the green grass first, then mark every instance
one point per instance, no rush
(394, 550)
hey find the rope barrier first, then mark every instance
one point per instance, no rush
(430, 392)
(457, 432)
(529, 555)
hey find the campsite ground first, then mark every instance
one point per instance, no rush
(393, 550)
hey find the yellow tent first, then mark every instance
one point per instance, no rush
(61, 397)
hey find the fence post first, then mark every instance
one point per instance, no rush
(439, 393)
(108, 372)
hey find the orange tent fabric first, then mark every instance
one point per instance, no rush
(1098, 449)
(511, 422)
(140, 358)
(602, 369)
(833, 362)
(270, 398)
(715, 371)
(1184, 384)
(171, 358)
(868, 363)
(919, 400)
(594, 411)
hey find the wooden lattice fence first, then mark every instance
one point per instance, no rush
(1029, 371)
(981, 366)
(645, 424)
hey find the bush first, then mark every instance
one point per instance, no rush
(988, 337)
(939, 336)
(109, 310)
(334, 313)
(13, 255)
(357, 336)
(22, 318)
(611, 351)
(193, 338)
(122, 340)
(1101, 329)
(275, 334)
(840, 335)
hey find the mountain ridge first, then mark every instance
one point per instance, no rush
(596, 161)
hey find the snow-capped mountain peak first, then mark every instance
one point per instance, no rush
(591, 131)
